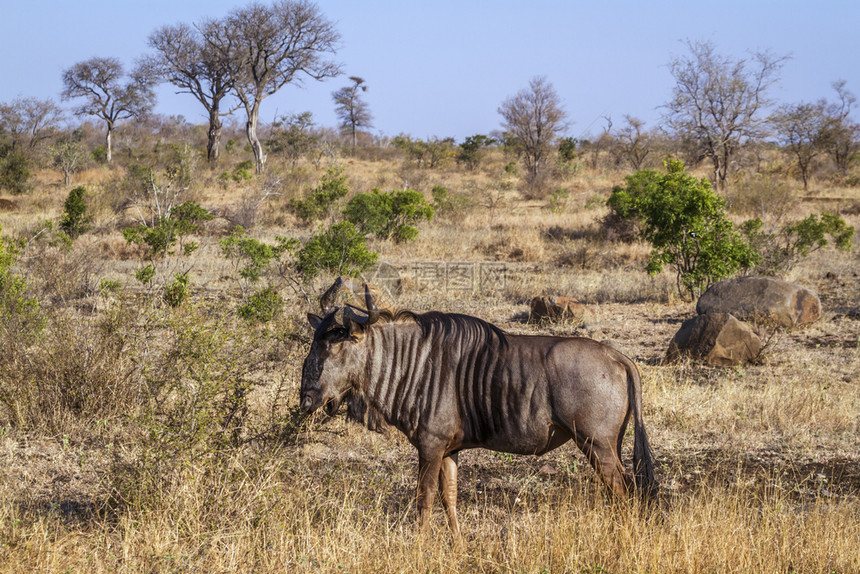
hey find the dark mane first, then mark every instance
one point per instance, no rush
(447, 324)
(456, 325)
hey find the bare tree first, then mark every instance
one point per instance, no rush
(842, 136)
(98, 81)
(801, 130)
(351, 109)
(185, 58)
(29, 122)
(720, 101)
(535, 118)
(634, 142)
(273, 46)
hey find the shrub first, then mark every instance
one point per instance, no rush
(242, 172)
(263, 306)
(15, 172)
(177, 291)
(255, 254)
(99, 154)
(196, 381)
(447, 204)
(20, 314)
(567, 149)
(340, 249)
(83, 371)
(75, 221)
(780, 251)
(686, 224)
(161, 238)
(470, 150)
(251, 259)
(321, 200)
(557, 199)
(389, 215)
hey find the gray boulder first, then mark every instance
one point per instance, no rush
(762, 300)
(717, 339)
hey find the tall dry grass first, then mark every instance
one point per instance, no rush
(338, 517)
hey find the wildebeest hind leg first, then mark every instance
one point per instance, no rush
(604, 459)
(448, 490)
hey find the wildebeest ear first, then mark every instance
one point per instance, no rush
(314, 320)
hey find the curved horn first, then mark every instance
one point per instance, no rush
(372, 309)
(329, 296)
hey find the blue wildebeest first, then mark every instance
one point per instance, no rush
(451, 382)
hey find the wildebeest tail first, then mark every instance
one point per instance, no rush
(643, 467)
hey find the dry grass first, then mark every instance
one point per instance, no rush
(758, 464)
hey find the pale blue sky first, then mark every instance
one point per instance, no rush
(442, 67)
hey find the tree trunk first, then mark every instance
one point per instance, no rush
(213, 146)
(251, 130)
(108, 154)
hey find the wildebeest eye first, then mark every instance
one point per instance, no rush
(336, 335)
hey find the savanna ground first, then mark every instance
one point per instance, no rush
(136, 437)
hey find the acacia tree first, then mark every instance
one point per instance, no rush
(185, 58)
(801, 130)
(98, 81)
(534, 117)
(272, 46)
(351, 109)
(720, 101)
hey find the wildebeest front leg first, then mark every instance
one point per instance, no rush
(448, 490)
(429, 466)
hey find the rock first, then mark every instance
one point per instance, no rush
(556, 309)
(762, 300)
(717, 339)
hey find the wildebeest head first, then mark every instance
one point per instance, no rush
(337, 355)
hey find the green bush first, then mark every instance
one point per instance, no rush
(75, 221)
(447, 204)
(321, 200)
(99, 154)
(264, 305)
(341, 249)
(557, 199)
(470, 150)
(15, 172)
(686, 224)
(196, 385)
(161, 238)
(177, 291)
(249, 256)
(244, 171)
(781, 250)
(567, 149)
(389, 215)
(21, 315)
